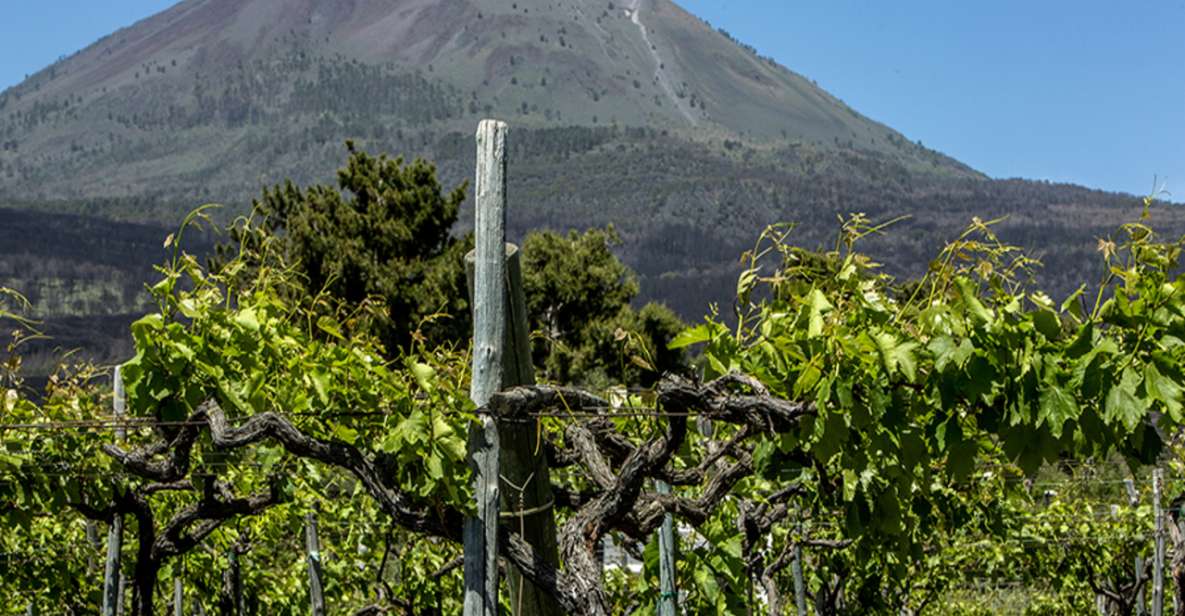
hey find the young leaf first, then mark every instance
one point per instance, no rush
(424, 375)
(818, 305)
(344, 433)
(248, 319)
(850, 482)
(320, 379)
(692, 335)
(329, 326)
(974, 307)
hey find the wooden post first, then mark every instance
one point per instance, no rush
(92, 540)
(523, 463)
(489, 334)
(668, 601)
(122, 594)
(112, 582)
(236, 582)
(111, 572)
(119, 403)
(1158, 565)
(1133, 500)
(526, 496)
(517, 368)
(527, 504)
(799, 586)
(178, 595)
(1141, 609)
(313, 546)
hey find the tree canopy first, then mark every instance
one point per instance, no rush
(380, 246)
(578, 301)
(382, 234)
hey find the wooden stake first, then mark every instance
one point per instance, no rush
(119, 403)
(668, 601)
(313, 547)
(1141, 609)
(1158, 565)
(489, 333)
(121, 595)
(111, 576)
(799, 586)
(112, 582)
(178, 591)
(236, 582)
(92, 539)
(1133, 500)
(523, 463)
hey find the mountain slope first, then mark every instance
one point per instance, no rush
(190, 101)
(626, 112)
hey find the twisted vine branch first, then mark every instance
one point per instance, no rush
(618, 468)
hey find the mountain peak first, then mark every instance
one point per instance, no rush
(173, 97)
(634, 62)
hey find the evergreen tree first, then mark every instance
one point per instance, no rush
(378, 248)
(379, 241)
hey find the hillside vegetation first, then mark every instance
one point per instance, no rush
(633, 113)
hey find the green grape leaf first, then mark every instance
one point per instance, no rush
(1047, 323)
(968, 295)
(817, 305)
(330, 326)
(898, 357)
(434, 466)
(692, 335)
(248, 319)
(424, 375)
(320, 379)
(850, 482)
(1164, 389)
(343, 433)
(1056, 408)
(1122, 404)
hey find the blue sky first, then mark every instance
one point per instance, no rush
(1085, 91)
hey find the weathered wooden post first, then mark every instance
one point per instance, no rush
(122, 594)
(526, 491)
(313, 547)
(1158, 565)
(521, 463)
(668, 603)
(489, 333)
(234, 579)
(799, 586)
(111, 572)
(92, 539)
(111, 576)
(1133, 500)
(178, 595)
